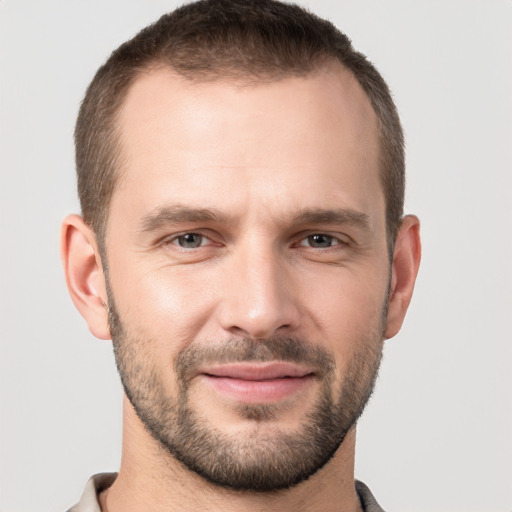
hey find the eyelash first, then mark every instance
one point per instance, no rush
(175, 240)
(331, 240)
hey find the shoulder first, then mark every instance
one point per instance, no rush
(368, 501)
(89, 501)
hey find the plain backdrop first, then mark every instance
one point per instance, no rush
(437, 433)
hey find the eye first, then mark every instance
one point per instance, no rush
(320, 241)
(190, 240)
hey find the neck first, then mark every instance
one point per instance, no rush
(152, 480)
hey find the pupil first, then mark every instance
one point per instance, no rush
(191, 240)
(320, 240)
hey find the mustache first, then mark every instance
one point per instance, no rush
(286, 349)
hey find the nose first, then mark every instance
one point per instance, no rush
(258, 296)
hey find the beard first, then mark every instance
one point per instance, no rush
(265, 458)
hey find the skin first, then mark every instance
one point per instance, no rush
(263, 157)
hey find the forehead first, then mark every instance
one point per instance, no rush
(296, 136)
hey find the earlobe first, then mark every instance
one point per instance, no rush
(406, 261)
(84, 274)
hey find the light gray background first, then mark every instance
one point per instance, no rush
(437, 434)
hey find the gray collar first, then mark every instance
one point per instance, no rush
(97, 483)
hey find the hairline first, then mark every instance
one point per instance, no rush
(237, 77)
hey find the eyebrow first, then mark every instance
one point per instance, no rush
(345, 216)
(177, 214)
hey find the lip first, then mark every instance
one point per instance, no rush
(257, 371)
(257, 382)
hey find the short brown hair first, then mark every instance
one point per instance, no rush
(253, 40)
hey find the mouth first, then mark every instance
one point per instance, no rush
(257, 382)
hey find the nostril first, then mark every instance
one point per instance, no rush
(238, 331)
(259, 303)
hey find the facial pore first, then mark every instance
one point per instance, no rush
(266, 458)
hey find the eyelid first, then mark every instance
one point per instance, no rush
(204, 240)
(340, 238)
(207, 234)
(334, 241)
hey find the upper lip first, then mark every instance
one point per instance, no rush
(256, 371)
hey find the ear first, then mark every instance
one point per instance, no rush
(84, 274)
(406, 261)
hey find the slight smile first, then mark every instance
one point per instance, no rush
(257, 382)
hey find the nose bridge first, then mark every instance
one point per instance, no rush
(258, 298)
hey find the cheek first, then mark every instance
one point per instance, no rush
(168, 305)
(348, 311)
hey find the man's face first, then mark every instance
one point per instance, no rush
(248, 270)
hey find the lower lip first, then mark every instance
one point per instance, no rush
(258, 391)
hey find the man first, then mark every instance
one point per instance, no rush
(241, 176)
